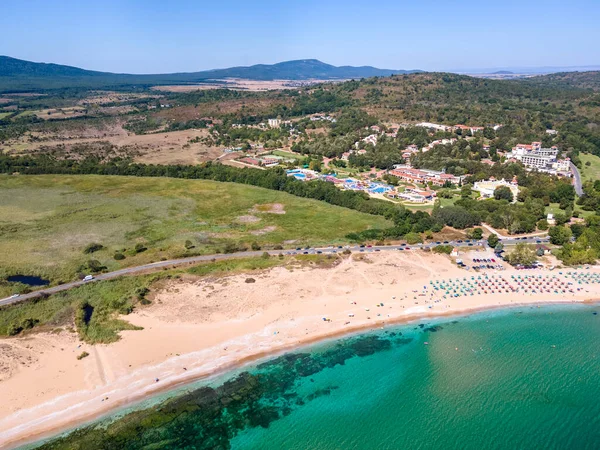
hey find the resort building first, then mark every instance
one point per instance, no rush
(535, 157)
(274, 123)
(434, 126)
(424, 176)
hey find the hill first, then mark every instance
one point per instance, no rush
(16, 74)
(581, 80)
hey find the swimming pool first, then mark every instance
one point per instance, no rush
(379, 190)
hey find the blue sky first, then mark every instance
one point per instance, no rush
(152, 36)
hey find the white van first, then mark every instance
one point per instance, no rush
(88, 278)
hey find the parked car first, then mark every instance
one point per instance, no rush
(88, 278)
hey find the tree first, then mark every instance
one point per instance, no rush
(477, 233)
(499, 248)
(542, 224)
(315, 165)
(465, 191)
(493, 240)
(503, 193)
(523, 254)
(560, 235)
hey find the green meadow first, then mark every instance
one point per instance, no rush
(589, 172)
(47, 221)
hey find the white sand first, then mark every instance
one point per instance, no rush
(209, 325)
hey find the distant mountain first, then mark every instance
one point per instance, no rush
(503, 72)
(17, 74)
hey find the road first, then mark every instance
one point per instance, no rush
(204, 258)
(576, 180)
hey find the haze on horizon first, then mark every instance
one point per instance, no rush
(151, 36)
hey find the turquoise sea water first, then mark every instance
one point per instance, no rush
(525, 378)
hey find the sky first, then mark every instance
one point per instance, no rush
(159, 36)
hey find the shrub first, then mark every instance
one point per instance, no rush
(93, 247)
(83, 355)
(265, 255)
(14, 329)
(139, 248)
(278, 247)
(189, 244)
(29, 323)
(119, 256)
(446, 249)
(255, 246)
(413, 238)
(95, 266)
(250, 280)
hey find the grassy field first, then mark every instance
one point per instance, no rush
(591, 172)
(287, 155)
(46, 221)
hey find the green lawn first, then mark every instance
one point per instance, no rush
(591, 172)
(287, 155)
(47, 221)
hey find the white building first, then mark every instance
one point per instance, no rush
(274, 123)
(434, 126)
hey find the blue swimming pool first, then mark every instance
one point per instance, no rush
(379, 190)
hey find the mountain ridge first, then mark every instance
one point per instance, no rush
(21, 74)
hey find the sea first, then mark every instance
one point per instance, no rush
(516, 378)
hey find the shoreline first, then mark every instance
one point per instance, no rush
(134, 399)
(74, 409)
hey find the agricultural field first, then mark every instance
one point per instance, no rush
(47, 222)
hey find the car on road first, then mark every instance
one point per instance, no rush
(15, 296)
(88, 278)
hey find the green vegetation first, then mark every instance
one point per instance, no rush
(50, 225)
(590, 167)
(93, 307)
(522, 254)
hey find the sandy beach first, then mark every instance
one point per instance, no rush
(196, 327)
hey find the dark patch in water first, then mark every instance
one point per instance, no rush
(88, 311)
(434, 328)
(208, 418)
(321, 392)
(29, 280)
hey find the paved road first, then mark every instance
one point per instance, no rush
(196, 259)
(576, 180)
